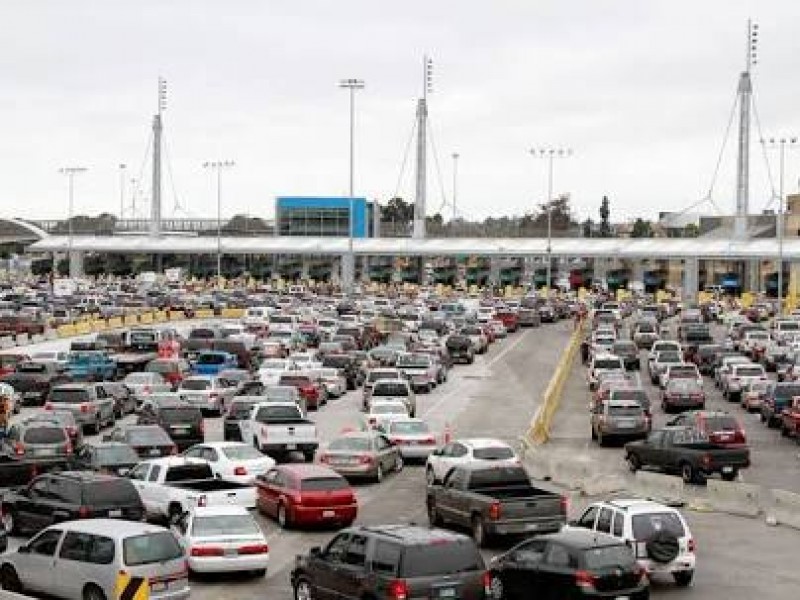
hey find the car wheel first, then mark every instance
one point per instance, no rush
(398, 463)
(92, 592)
(257, 573)
(601, 440)
(434, 519)
(478, 531)
(302, 590)
(496, 587)
(634, 464)
(10, 522)
(730, 476)
(784, 431)
(308, 456)
(430, 476)
(688, 473)
(9, 580)
(683, 578)
(379, 473)
(283, 516)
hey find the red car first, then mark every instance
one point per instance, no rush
(9, 362)
(720, 427)
(509, 319)
(306, 494)
(173, 370)
(309, 388)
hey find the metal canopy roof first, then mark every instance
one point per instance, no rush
(641, 248)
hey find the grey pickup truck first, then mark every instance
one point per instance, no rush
(494, 500)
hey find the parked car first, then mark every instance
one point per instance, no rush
(394, 390)
(238, 410)
(464, 451)
(143, 384)
(208, 393)
(34, 380)
(232, 461)
(392, 561)
(413, 437)
(35, 439)
(573, 563)
(682, 394)
(222, 539)
(173, 370)
(362, 454)
(778, 398)
(658, 534)
(306, 494)
(683, 450)
(80, 560)
(182, 422)
(492, 501)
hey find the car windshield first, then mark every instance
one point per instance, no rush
(493, 453)
(721, 423)
(323, 484)
(31, 368)
(358, 444)
(112, 455)
(629, 394)
(211, 359)
(749, 371)
(196, 385)
(785, 391)
(607, 363)
(180, 414)
(221, 525)
(647, 525)
(683, 385)
(162, 366)
(683, 371)
(44, 435)
(414, 360)
(239, 410)
(143, 379)
(437, 557)
(68, 396)
(148, 436)
(151, 548)
(604, 557)
(243, 452)
(268, 414)
(388, 408)
(409, 427)
(385, 388)
(277, 365)
(624, 411)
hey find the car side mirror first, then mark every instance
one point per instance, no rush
(315, 551)
(24, 549)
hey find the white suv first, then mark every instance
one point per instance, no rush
(658, 534)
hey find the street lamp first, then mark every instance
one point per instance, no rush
(550, 154)
(348, 272)
(219, 166)
(780, 144)
(122, 168)
(455, 156)
(70, 172)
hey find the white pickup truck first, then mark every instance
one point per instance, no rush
(174, 485)
(278, 428)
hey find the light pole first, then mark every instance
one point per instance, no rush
(780, 145)
(550, 154)
(455, 156)
(70, 172)
(218, 166)
(348, 272)
(122, 168)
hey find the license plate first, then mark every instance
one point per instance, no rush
(158, 586)
(446, 592)
(231, 552)
(154, 452)
(626, 424)
(114, 513)
(727, 469)
(291, 446)
(623, 598)
(328, 514)
(31, 394)
(44, 452)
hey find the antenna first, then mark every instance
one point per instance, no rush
(162, 95)
(751, 56)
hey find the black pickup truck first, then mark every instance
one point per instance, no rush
(493, 501)
(34, 380)
(686, 451)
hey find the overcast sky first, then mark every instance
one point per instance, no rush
(641, 90)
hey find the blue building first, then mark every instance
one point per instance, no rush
(323, 216)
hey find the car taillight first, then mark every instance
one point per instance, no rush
(202, 426)
(564, 505)
(692, 545)
(173, 449)
(486, 579)
(240, 471)
(494, 511)
(430, 440)
(584, 580)
(706, 460)
(85, 408)
(365, 459)
(48, 406)
(323, 458)
(19, 448)
(207, 551)
(68, 447)
(398, 589)
(84, 512)
(641, 573)
(202, 500)
(71, 430)
(254, 549)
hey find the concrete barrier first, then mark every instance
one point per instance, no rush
(176, 315)
(130, 320)
(664, 488)
(65, 331)
(159, 316)
(23, 339)
(232, 313)
(114, 323)
(50, 335)
(604, 484)
(146, 318)
(37, 338)
(6, 342)
(783, 508)
(735, 498)
(204, 313)
(83, 327)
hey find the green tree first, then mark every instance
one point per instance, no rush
(642, 228)
(587, 228)
(691, 230)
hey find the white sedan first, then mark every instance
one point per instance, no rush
(232, 461)
(271, 370)
(222, 539)
(459, 452)
(381, 413)
(413, 437)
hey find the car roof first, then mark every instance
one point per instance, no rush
(638, 505)
(579, 538)
(115, 528)
(482, 442)
(308, 470)
(412, 534)
(219, 511)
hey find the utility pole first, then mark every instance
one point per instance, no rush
(420, 197)
(349, 263)
(122, 168)
(745, 92)
(155, 206)
(70, 172)
(218, 166)
(455, 156)
(550, 154)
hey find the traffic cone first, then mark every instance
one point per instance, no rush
(448, 434)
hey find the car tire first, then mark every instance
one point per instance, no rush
(688, 473)
(601, 439)
(379, 473)
(308, 456)
(92, 592)
(683, 578)
(302, 590)
(496, 587)
(730, 476)
(282, 516)
(434, 518)
(10, 523)
(399, 463)
(430, 476)
(634, 464)
(9, 580)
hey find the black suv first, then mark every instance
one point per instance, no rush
(574, 563)
(394, 562)
(67, 496)
(182, 422)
